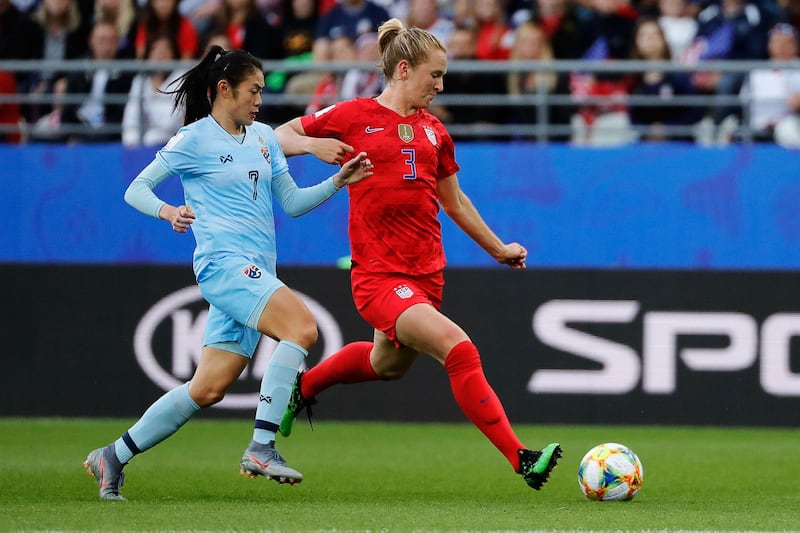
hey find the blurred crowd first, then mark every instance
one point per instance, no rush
(598, 109)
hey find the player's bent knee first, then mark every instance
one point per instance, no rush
(391, 374)
(305, 334)
(207, 397)
(391, 370)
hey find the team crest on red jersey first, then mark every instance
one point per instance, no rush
(252, 271)
(404, 292)
(406, 132)
(430, 134)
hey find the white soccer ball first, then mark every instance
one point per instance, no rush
(610, 472)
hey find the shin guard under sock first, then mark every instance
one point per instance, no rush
(478, 401)
(349, 365)
(162, 419)
(276, 387)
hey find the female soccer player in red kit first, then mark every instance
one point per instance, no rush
(396, 242)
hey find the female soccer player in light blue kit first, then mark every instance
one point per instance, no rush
(231, 168)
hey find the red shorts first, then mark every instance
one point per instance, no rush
(382, 298)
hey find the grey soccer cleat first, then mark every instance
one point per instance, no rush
(264, 460)
(103, 464)
(535, 466)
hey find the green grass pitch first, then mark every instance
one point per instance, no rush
(396, 477)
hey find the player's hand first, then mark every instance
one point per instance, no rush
(329, 150)
(513, 255)
(180, 217)
(358, 168)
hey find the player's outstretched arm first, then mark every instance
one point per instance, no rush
(297, 201)
(294, 141)
(461, 210)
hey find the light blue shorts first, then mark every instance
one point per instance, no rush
(237, 291)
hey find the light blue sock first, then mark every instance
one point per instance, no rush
(276, 386)
(162, 419)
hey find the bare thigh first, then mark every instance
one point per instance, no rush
(287, 318)
(426, 330)
(420, 329)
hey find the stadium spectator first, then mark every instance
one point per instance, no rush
(95, 118)
(730, 30)
(327, 90)
(463, 46)
(520, 11)
(396, 243)
(122, 14)
(360, 83)
(161, 18)
(148, 118)
(65, 36)
(217, 38)
(202, 14)
(462, 13)
(602, 115)
(494, 32)
(650, 44)
(348, 18)
(561, 22)
(26, 6)
(531, 44)
(679, 26)
(396, 8)
(20, 38)
(251, 29)
(773, 94)
(299, 24)
(10, 112)
(234, 260)
(646, 8)
(325, 6)
(426, 14)
(607, 29)
(65, 33)
(248, 29)
(788, 11)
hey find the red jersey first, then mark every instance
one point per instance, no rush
(393, 213)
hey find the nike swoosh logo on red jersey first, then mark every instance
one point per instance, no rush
(370, 129)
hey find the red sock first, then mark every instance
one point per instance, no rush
(478, 400)
(348, 365)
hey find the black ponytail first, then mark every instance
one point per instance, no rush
(197, 89)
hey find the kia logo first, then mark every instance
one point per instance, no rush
(174, 313)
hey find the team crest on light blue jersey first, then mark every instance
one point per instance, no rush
(252, 271)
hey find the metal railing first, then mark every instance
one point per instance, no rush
(543, 130)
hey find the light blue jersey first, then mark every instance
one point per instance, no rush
(228, 184)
